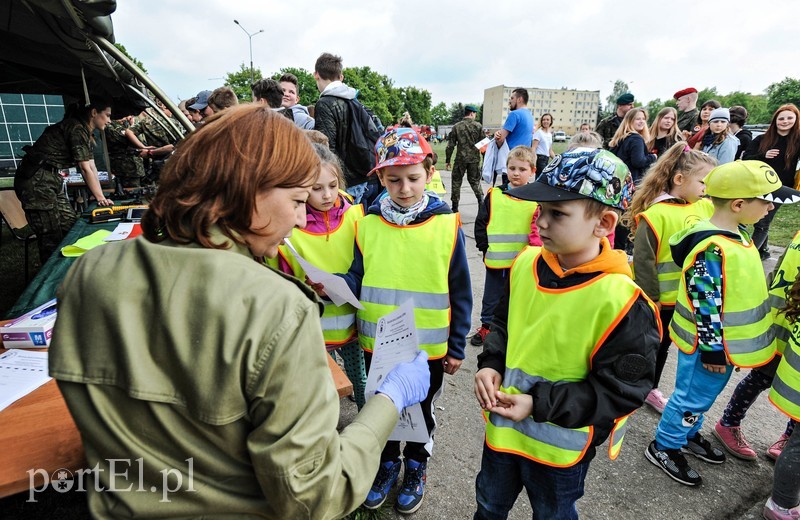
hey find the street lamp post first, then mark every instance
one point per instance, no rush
(250, 38)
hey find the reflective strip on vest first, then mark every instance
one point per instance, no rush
(617, 436)
(425, 336)
(507, 229)
(548, 433)
(342, 322)
(785, 391)
(398, 297)
(668, 267)
(733, 319)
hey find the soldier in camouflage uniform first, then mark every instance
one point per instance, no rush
(152, 135)
(464, 135)
(687, 107)
(125, 164)
(608, 126)
(40, 187)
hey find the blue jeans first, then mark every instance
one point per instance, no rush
(696, 389)
(492, 292)
(552, 491)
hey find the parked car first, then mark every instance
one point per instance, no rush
(559, 136)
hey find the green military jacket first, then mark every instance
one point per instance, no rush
(607, 128)
(62, 145)
(207, 364)
(121, 152)
(688, 120)
(151, 133)
(464, 135)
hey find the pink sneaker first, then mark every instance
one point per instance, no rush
(773, 512)
(733, 440)
(656, 400)
(776, 449)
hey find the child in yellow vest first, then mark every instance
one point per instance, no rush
(572, 349)
(785, 395)
(668, 200)
(411, 246)
(722, 317)
(728, 429)
(327, 242)
(501, 232)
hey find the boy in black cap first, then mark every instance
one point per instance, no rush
(553, 391)
(608, 126)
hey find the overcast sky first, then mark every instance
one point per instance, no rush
(456, 49)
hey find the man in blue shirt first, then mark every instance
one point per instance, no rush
(518, 128)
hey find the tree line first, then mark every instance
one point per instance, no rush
(760, 107)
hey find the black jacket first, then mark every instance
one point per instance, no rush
(745, 137)
(332, 119)
(622, 373)
(633, 152)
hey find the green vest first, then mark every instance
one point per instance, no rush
(535, 318)
(333, 252)
(666, 219)
(508, 229)
(407, 262)
(747, 333)
(784, 277)
(785, 391)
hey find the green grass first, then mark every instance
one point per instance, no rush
(785, 225)
(362, 513)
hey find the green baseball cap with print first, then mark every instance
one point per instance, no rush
(748, 180)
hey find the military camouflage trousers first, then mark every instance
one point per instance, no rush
(47, 209)
(473, 172)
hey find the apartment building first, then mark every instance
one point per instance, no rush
(570, 108)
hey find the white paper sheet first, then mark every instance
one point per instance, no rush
(336, 288)
(483, 142)
(21, 372)
(396, 342)
(121, 232)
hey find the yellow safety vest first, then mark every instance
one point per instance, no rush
(747, 332)
(535, 317)
(785, 275)
(333, 252)
(666, 219)
(785, 391)
(436, 185)
(407, 263)
(508, 228)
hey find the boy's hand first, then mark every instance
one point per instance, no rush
(451, 364)
(717, 369)
(513, 406)
(487, 383)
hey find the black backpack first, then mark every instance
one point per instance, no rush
(363, 132)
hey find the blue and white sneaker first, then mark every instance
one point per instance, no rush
(384, 481)
(413, 489)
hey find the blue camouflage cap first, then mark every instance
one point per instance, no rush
(471, 108)
(582, 173)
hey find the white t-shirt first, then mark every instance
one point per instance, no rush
(545, 141)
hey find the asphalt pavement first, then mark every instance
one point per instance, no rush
(627, 488)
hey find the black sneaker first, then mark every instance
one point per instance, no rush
(703, 450)
(674, 464)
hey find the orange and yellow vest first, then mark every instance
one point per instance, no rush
(333, 252)
(535, 318)
(403, 263)
(747, 332)
(785, 275)
(666, 219)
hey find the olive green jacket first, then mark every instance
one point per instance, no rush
(211, 369)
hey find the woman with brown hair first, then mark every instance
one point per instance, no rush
(779, 147)
(664, 131)
(202, 364)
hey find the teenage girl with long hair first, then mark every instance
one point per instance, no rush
(664, 131)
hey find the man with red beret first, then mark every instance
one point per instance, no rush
(687, 106)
